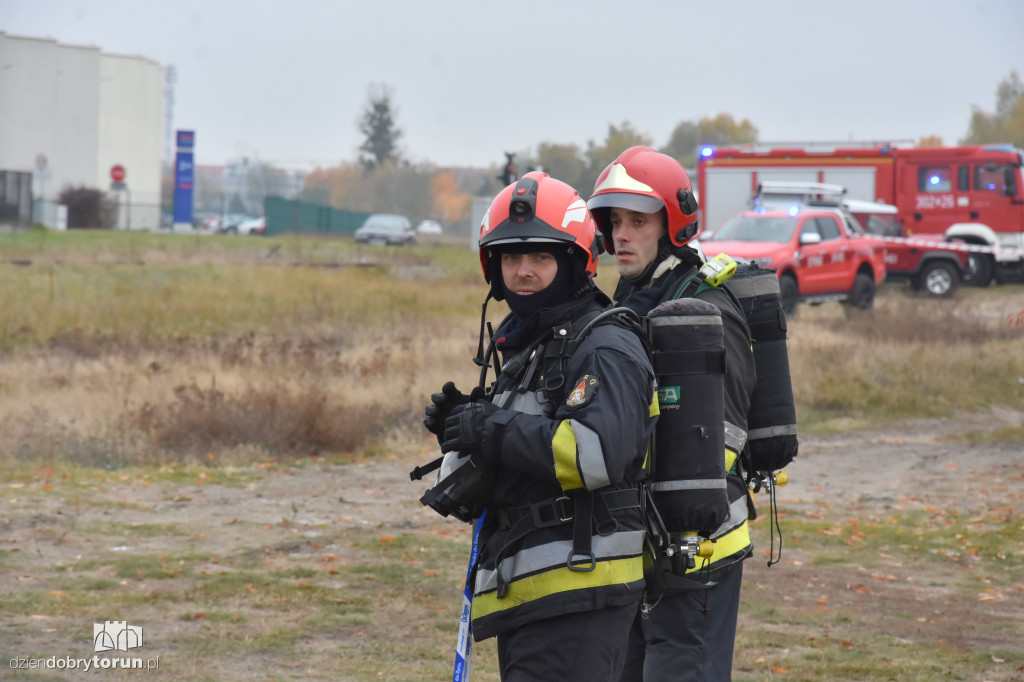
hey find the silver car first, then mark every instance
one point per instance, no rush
(386, 228)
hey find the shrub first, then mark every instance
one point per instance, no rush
(88, 208)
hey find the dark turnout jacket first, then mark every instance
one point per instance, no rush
(568, 463)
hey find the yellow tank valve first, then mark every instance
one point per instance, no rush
(705, 549)
(781, 478)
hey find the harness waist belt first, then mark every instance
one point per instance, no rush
(559, 510)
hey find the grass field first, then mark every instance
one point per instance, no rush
(208, 436)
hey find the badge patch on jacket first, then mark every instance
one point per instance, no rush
(584, 391)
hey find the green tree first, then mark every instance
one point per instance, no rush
(721, 130)
(385, 188)
(377, 125)
(564, 162)
(1007, 123)
(618, 140)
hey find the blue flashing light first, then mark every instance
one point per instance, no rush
(793, 210)
(707, 151)
(934, 180)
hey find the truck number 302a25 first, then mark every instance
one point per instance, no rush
(927, 201)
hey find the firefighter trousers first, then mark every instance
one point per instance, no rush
(687, 636)
(589, 646)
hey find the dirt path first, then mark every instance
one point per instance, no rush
(866, 477)
(298, 511)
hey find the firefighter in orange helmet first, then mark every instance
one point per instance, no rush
(562, 434)
(645, 207)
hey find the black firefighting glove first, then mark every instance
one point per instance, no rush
(442, 405)
(464, 429)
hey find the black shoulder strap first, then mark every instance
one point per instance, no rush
(568, 337)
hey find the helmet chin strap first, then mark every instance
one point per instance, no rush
(664, 251)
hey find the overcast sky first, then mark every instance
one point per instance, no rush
(286, 80)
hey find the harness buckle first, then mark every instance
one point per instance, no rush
(569, 561)
(558, 512)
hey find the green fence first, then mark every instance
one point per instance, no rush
(289, 216)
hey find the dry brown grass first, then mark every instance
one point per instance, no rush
(175, 357)
(911, 357)
(113, 354)
(285, 396)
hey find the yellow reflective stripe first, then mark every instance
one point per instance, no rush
(611, 572)
(730, 459)
(654, 411)
(729, 544)
(563, 447)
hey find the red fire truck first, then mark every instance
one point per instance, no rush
(971, 194)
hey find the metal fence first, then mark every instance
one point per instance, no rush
(288, 215)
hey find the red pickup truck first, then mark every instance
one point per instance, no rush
(820, 253)
(929, 262)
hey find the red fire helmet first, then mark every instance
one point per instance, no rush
(539, 208)
(645, 180)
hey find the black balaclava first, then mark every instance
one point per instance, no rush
(559, 291)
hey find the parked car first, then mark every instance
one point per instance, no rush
(252, 226)
(429, 227)
(386, 228)
(820, 254)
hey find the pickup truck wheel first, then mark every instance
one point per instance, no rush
(789, 294)
(862, 295)
(937, 278)
(979, 270)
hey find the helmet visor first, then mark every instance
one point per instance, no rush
(626, 200)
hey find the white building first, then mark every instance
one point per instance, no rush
(70, 113)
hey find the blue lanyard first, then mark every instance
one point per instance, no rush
(464, 646)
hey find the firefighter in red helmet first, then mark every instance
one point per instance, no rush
(562, 433)
(645, 207)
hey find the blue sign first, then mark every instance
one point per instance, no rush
(184, 177)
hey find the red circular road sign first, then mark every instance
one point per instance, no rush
(117, 173)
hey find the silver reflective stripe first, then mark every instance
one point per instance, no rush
(748, 287)
(554, 555)
(737, 515)
(692, 320)
(735, 437)
(772, 431)
(692, 484)
(527, 403)
(591, 456)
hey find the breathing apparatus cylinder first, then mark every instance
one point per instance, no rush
(771, 420)
(688, 483)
